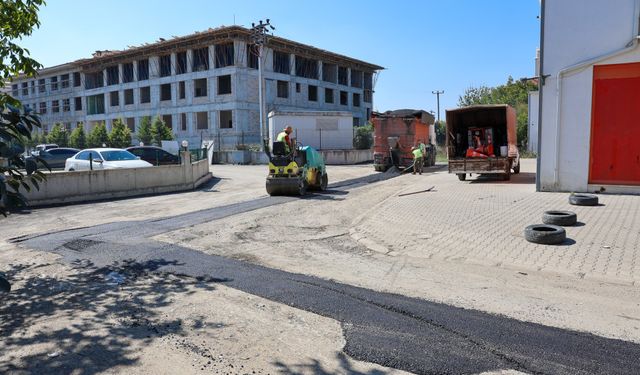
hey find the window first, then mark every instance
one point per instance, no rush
(95, 104)
(252, 56)
(165, 66)
(356, 100)
(356, 78)
(78, 103)
(42, 86)
(131, 124)
(25, 88)
(113, 75)
(182, 90)
(128, 97)
(33, 87)
(368, 96)
(64, 81)
(145, 94)
(356, 121)
(55, 106)
(226, 119)
(283, 89)
(344, 98)
(93, 80)
(313, 93)
(224, 55)
(328, 95)
(202, 120)
(66, 105)
(76, 79)
(143, 70)
(200, 87)
(14, 90)
(329, 72)
(43, 107)
(224, 85)
(343, 75)
(181, 62)
(307, 68)
(168, 121)
(281, 62)
(165, 91)
(368, 81)
(297, 87)
(127, 72)
(183, 122)
(114, 98)
(54, 84)
(200, 59)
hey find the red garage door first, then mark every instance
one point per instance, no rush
(615, 125)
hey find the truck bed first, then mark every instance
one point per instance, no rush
(496, 165)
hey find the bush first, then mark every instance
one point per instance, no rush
(78, 139)
(98, 136)
(160, 132)
(363, 139)
(144, 131)
(120, 136)
(58, 135)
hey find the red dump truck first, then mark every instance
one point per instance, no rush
(395, 133)
(482, 140)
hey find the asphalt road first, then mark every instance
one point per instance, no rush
(392, 330)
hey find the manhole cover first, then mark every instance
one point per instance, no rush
(80, 244)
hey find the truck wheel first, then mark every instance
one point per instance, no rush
(302, 187)
(545, 234)
(561, 218)
(462, 176)
(583, 200)
(516, 169)
(324, 182)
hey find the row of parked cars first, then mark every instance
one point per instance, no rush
(72, 159)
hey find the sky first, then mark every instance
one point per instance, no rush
(424, 46)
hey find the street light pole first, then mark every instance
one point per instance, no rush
(437, 94)
(259, 34)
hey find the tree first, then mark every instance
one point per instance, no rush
(160, 132)
(363, 138)
(17, 123)
(58, 135)
(120, 136)
(78, 139)
(441, 132)
(144, 131)
(514, 93)
(98, 136)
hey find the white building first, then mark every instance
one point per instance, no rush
(321, 130)
(589, 124)
(203, 85)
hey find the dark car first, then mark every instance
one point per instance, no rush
(54, 157)
(154, 155)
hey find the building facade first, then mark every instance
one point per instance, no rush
(589, 119)
(204, 86)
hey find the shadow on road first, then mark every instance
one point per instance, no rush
(315, 367)
(525, 178)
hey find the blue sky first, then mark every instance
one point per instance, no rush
(424, 45)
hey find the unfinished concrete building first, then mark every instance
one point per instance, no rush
(204, 85)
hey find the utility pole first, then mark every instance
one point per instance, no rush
(259, 34)
(437, 94)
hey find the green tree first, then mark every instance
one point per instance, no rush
(144, 131)
(58, 135)
(514, 93)
(17, 124)
(441, 132)
(98, 136)
(120, 135)
(78, 139)
(363, 137)
(160, 132)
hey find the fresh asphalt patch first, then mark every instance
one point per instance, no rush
(392, 330)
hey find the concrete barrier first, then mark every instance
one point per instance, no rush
(82, 186)
(331, 157)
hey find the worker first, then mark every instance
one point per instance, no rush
(284, 137)
(423, 148)
(417, 158)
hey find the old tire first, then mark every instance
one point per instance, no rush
(583, 200)
(5, 286)
(462, 176)
(324, 182)
(545, 234)
(561, 218)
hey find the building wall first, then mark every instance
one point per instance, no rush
(532, 123)
(243, 101)
(576, 31)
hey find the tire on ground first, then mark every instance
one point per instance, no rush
(583, 200)
(462, 176)
(545, 234)
(561, 218)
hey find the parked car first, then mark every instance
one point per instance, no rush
(104, 158)
(154, 155)
(54, 157)
(44, 147)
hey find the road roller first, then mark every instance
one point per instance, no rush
(294, 171)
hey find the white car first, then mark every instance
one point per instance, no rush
(104, 158)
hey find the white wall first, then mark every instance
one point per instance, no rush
(577, 31)
(532, 124)
(335, 128)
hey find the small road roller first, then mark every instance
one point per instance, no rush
(293, 172)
